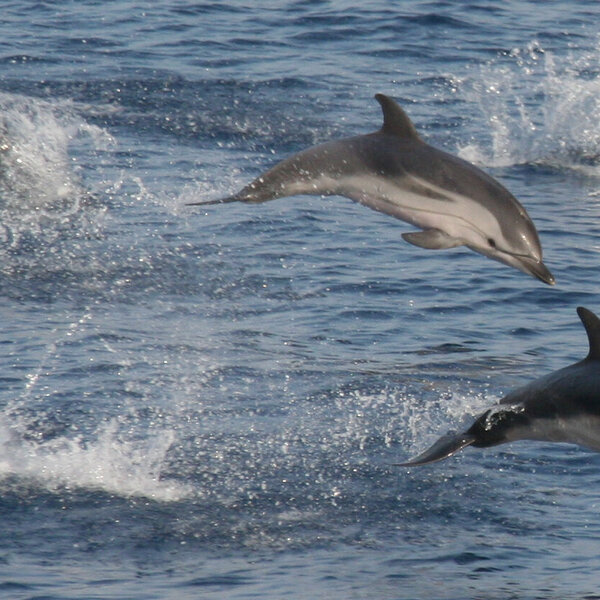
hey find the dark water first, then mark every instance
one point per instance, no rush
(205, 403)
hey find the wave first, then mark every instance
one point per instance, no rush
(509, 90)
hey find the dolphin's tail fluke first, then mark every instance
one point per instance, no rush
(234, 198)
(446, 446)
(253, 193)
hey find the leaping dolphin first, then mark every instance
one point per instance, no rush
(394, 171)
(563, 406)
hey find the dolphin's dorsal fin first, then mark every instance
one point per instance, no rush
(395, 120)
(592, 327)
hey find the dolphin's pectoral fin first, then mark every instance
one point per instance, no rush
(432, 239)
(446, 446)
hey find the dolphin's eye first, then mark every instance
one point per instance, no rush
(491, 242)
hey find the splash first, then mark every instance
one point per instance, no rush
(61, 448)
(41, 191)
(107, 462)
(446, 409)
(539, 108)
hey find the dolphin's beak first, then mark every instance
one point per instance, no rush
(527, 264)
(536, 268)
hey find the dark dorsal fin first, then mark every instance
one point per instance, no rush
(592, 327)
(395, 120)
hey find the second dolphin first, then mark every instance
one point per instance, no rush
(563, 406)
(451, 201)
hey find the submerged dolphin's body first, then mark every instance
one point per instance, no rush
(563, 406)
(395, 172)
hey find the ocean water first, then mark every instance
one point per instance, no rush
(205, 403)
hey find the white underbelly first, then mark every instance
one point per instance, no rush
(459, 216)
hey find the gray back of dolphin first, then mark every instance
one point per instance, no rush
(563, 406)
(395, 172)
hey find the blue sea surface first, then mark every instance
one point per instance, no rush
(207, 402)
